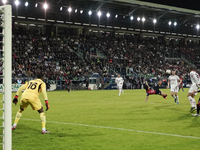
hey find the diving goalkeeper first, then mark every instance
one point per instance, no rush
(30, 97)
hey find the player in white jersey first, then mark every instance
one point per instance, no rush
(174, 82)
(119, 80)
(194, 76)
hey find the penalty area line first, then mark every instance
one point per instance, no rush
(122, 129)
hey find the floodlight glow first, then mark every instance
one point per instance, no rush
(175, 23)
(154, 21)
(198, 27)
(99, 13)
(108, 15)
(69, 9)
(16, 2)
(138, 18)
(90, 12)
(143, 19)
(169, 23)
(131, 18)
(45, 6)
(36, 4)
(75, 10)
(81, 11)
(4, 1)
(116, 16)
(61, 8)
(26, 4)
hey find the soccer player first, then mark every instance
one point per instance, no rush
(119, 80)
(150, 91)
(173, 81)
(194, 76)
(30, 97)
(181, 84)
(68, 84)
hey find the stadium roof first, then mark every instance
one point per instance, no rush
(186, 19)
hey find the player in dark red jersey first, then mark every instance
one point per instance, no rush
(181, 84)
(153, 91)
(68, 83)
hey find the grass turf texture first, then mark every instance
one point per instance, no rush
(100, 120)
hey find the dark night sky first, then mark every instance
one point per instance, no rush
(189, 4)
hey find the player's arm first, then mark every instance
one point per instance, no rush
(168, 83)
(147, 84)
(44, 93)
(23, 87)
(147, 97)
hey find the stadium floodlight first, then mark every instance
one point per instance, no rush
(90, 12)
(154, 21)
(138, 18)
(169, 23)
(36, 4)
(26, 4)
(108, 15)
(116, 16)
(175, 23)
(81, 11)
(45, 6)
(4, 1)
(61, 8)
(131, 18)
(99, 13)
(69, 9)
(16, 2)
(198, 27)
(75, 10)
(143, 19)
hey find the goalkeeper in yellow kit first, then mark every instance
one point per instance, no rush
(30, 97)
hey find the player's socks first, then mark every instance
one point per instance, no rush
(198, 108)
(43, 120)
(192, 101)
(183, 90)
(120, 92)
(177, 100)
(18, 116)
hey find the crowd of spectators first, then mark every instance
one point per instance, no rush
(76, 57)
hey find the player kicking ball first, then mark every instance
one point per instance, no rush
(150, 91)
(174, 82)
(119, 80)
(30, 97)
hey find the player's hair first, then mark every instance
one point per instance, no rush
(40, 75)
(146, 87)
(191, 68)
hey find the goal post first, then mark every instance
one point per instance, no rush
(6, 25)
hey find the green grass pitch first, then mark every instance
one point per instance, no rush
(100, 120)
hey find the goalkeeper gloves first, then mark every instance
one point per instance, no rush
(47, 104)
(15, 100)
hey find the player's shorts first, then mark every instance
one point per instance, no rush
(174, 89)
(193, 88)
(158, 92)
(35, 103)
(119, 86)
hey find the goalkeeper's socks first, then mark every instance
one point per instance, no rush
(43, 129)
(14, 124)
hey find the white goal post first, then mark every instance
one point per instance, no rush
(6, 25)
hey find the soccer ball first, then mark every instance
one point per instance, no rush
(168, 71)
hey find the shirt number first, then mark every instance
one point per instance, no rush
(32, 85)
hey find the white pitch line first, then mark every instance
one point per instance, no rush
(110, 101)
(122, 129)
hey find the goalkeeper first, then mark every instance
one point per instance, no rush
(30, 97)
